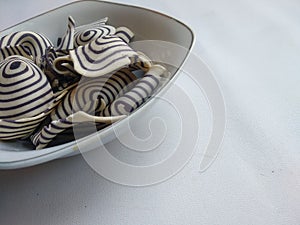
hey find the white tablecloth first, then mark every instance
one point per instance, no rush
(253, 48)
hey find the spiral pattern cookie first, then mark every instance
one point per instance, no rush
(94, 24)
(89, 32)
(24, 89)
(93, 94)
(86, 36)
(49, 132)
(35, 45)
(21, 128)
(67, 41)
(102, 56)
(125, 34)
(14, 50)
(26, 97)
(136, 96)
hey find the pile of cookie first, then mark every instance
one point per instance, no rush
(91, 75)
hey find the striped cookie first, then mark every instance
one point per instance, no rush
(24, 89)
(42, 138)
(26, 97)
(144, 88)
(125, 34)
(93, 94)
(35, 45)
(102, 56)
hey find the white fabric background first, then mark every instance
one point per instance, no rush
(253, 47)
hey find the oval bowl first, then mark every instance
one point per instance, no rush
(145, 23)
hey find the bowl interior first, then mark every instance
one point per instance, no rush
(146, 24)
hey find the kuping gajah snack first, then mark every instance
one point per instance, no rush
(91, 76)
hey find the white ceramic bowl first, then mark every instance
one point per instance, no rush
(146, 24)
